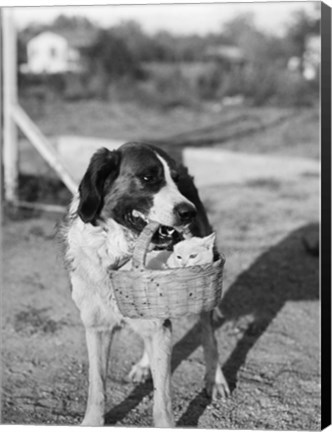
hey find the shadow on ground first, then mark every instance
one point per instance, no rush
(286, 272)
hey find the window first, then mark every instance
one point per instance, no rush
(53, 52)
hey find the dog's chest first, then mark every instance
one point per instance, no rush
(92, 251)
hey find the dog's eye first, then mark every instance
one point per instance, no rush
(193, 256)
(148, 178)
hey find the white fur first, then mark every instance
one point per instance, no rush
(91, 250)
(166, 199)
(192, 252)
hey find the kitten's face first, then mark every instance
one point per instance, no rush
(194, 251)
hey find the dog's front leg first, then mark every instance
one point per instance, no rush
(98, 345)
(159, 348)
(216, 384)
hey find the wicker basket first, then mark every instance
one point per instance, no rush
(166, 293)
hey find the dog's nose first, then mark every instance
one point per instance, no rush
(185, 212)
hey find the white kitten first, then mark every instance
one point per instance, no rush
(191, 252)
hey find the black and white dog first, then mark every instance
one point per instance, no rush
(120, 192)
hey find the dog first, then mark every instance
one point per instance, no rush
(120, 192)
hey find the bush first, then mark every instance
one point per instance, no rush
(162, 90)
(267, 84)
(294, 90)
(76, 87)
(109, 59)
(174, 90)
(41, 87)
(209, 84)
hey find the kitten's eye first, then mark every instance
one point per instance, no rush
(178, 257)
(193, 256)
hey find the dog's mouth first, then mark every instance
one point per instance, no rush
(163, 238)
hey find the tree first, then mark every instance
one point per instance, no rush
(302, 25)
(77, 22)
(238, 28)
(109, 59)
(137, 42)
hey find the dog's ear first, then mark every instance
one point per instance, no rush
(103, 165)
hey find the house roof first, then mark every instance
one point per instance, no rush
(77, 38)
(47, 35)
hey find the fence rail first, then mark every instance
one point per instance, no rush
(40, 142)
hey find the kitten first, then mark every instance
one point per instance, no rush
(191, 252)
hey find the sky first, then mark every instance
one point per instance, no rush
(177, 18)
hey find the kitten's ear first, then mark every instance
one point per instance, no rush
(209, 240)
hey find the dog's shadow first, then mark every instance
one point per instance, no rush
(285, 272)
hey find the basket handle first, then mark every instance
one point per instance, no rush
(142, 244)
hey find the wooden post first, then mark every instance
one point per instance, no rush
(10, 142)
(1, 132)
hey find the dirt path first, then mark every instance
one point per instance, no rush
(268, 338)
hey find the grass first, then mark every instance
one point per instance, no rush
(294, 132)
(297, 136)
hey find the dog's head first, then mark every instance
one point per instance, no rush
(133, 185)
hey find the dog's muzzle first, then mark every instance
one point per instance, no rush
(185, 213)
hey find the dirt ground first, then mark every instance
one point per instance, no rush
(268, 338)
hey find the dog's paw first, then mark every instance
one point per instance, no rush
(216, 390)
(218, 386)
(139, 373)
(217, 315)
(93, 420)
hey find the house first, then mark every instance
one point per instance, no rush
(225, 54)
(309, 65)
(312, 57)
(51, 52)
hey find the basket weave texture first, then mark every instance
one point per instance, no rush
(167, 293)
